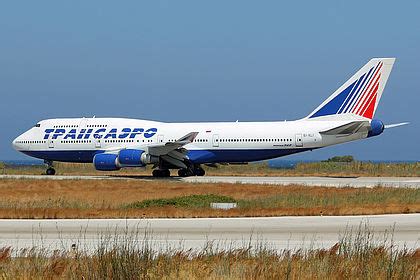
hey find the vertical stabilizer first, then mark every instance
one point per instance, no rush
(360, 95)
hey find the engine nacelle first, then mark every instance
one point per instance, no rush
(106, 162)
(133, 157)
(376, 128)
(125, 158)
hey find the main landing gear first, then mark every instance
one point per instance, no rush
(196, 171)
(183, 172)
(50, 170)
(161, 173)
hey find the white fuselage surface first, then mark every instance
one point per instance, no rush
(79, 139)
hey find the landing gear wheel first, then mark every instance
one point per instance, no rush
(166, 173)
(199, 171)
(183, 172)
(50, 171)
(161, 173)
(155, 173)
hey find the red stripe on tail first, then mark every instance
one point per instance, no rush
(363, 97)
(365, 103)
(371, 107)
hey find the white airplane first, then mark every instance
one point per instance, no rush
(115, 143)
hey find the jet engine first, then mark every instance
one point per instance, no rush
(133, 157)
(106, 162)
(125, 158)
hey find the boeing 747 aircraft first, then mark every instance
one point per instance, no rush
(115, 143)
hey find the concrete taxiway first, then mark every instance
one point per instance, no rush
(277, 233)
(409, 182)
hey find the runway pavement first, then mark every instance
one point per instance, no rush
(411, 182)
(276, 233)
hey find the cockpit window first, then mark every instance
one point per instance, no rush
(37, 125)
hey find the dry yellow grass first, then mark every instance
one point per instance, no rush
(347, 259)
(109, 198)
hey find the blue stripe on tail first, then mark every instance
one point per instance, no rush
(361, 89)
(332, 107)
(354, 90)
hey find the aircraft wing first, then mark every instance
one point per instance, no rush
(173, 152)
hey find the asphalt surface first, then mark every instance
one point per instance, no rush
(277, 233)
(411, 182)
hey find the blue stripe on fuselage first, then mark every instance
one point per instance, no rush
(214, 156)
(82, 156)
(195, 156)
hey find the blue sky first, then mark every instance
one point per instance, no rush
(206, 61)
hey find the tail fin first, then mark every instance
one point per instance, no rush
(360, 95)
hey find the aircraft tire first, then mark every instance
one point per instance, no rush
(183, 172)
(166, 173)
(156, 173)
(199, 171)
(50, 171)
(161, 173)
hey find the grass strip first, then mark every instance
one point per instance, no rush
(166, 198)
(359, 197)
(189, 201)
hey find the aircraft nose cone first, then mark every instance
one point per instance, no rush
(15, 144)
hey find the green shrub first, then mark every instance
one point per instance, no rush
(340, 159)
(190, 201)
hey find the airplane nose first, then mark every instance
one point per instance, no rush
(15, 144)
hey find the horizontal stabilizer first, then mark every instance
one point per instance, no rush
(347, 129)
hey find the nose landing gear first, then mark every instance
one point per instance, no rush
(50, 170)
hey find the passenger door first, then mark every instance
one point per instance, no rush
(98, 143)
(299, 140)
(50, 143)
(215, 140)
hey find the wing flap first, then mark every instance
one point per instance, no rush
(174, 161)
(164, 149)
